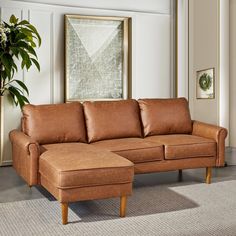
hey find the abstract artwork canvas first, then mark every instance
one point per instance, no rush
(205, 84)
(96, 58)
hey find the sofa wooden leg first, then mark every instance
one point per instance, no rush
(64, 211)
(123, 201)
(208, 175)
(180, 177)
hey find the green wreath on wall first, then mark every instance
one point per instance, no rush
(205, 82)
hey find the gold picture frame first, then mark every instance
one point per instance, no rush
(96, 58)
(205, 84)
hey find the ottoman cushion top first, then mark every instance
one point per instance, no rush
(72, 165)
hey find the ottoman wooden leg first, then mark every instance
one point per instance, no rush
(64, 211)
(208, 175)
(123, 201)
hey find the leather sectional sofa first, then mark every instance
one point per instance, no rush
(92, 150)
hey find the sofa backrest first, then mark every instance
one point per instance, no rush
(54, 123)
(112, 119)
(165, 116)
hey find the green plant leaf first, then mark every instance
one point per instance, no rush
(34, 30)
(14, 66)
(17, 95)
(8, 63)
(3, 75)
(7, 25)
(36, 63)
(20, 36)
(13, 97)
(13, 19)
(32, 51)
(1, 53)
(15, 51)
(25, 58)
(23, 22)
(25, 99)
(26, 32)
(27, 47)
(22, 44)
(32, 43)
(28, 64)
(22, 64)
(23, 86)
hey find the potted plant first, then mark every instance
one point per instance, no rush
(17, 42)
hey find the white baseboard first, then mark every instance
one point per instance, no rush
(6, 163)
(230, 155)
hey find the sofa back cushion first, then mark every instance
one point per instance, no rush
(165, 116)
(112, 119)
(54, 123)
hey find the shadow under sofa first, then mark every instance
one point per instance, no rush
(92, 150)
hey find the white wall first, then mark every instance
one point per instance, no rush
(152, 49)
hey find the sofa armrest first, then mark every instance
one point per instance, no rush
(25, 155)
(213, 132)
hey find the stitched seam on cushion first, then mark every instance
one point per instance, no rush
(195, 156)
(134, 149)
(100, 168)
(82, 186)
(167, 160)
(181, 158)
(93, 185)
(151, 160)
(176, 145)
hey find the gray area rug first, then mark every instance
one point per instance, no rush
(176, 209)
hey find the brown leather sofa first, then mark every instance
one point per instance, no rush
(92, 150)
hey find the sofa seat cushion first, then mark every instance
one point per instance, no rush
(136, 150)
(112, 119)
(72, 165)
(185, 146)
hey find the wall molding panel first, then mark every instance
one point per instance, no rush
(182, 89)
(140, 6)
(224, 88)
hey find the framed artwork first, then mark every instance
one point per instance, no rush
(96, 58)
(205, 84)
